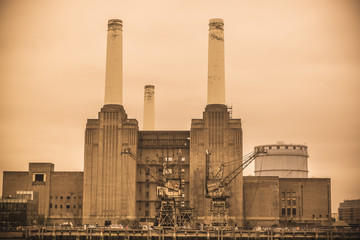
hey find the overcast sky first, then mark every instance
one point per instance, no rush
(292, 72)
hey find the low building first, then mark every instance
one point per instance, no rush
(19, 209)
(349, 212)
(59, 193)
(273, 200)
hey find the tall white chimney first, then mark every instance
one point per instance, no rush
(114, 66)
(149, 108)
(216, 69)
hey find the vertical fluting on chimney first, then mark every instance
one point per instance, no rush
(216, 69)
(149, 108)
(114, 66)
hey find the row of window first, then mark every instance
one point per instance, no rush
(287, 147)
(61, 197)
(68, 206)
(288, 211)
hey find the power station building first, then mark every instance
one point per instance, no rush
(115, 187)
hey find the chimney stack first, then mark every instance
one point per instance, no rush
(114, 66)
(216, 69)
(149, 108)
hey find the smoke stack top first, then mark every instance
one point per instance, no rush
(216, 63)
(114, 60)
(149, 108)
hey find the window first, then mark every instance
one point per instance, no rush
(39, 177)
(68, 197)
(288, 211)
(55, 197)
(147, 213)
(74, 197)
(67, 206)
(60, 206)
(283, 211)
(146, 204)
(294, 147)
(50, 206)
(294, 202)
(74, 206)
(294, 211)
(55, 205)
(278, 147)
(270, 147)
(286, 147)
(61, 197)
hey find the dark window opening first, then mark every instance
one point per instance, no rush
(294, 211)
(288, 211)
(55, 206)
(60, 206)
(278, 147)
(61, 197)
(50, 205)
(283, 211)
(67, 206)
(146, 204)
(68, 197)
(39, 177)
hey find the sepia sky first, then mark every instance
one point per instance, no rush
(292, 71)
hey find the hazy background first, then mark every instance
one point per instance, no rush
(292, 74)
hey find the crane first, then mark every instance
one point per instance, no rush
(171, 211)
(217, 185)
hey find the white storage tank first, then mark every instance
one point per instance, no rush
(283, 160)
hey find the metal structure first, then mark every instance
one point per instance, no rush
(217, 186)
(283, 160)
(172, 211)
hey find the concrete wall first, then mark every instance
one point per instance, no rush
(261, 201)
(66, 197)
(311, 197)
(14, 181)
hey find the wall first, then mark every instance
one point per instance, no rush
(261, 201)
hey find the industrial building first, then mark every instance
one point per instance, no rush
(124, 167)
